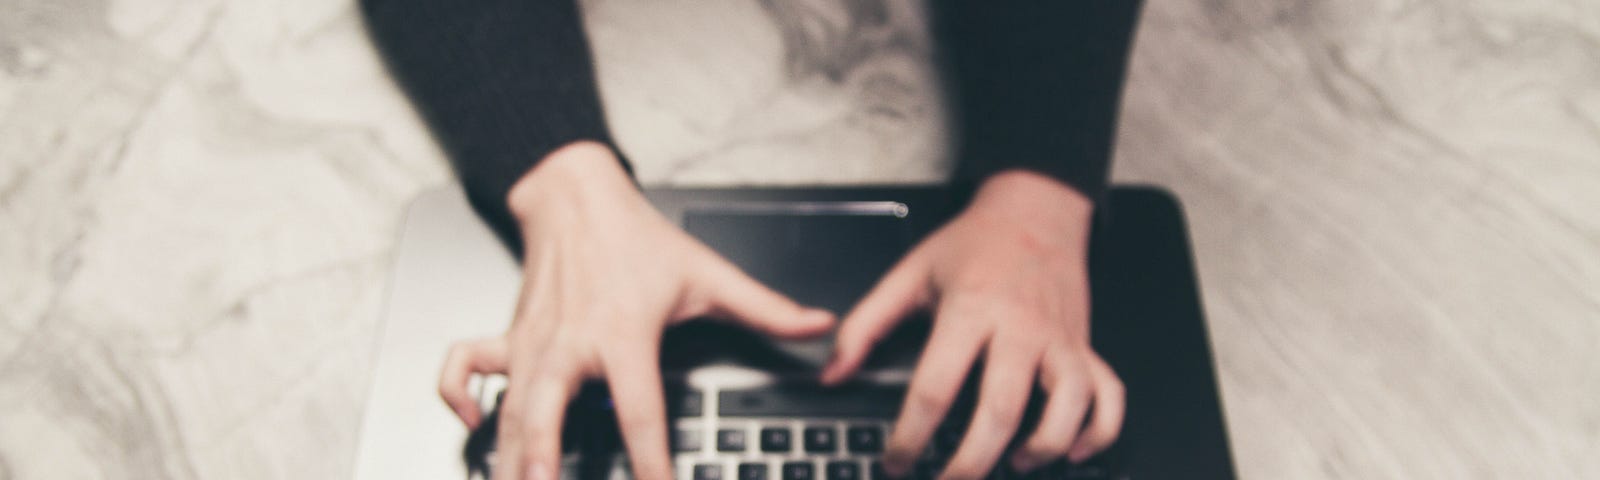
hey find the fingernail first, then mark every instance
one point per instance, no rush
(893, 471)
(894, 465)
(539, 471)
(817, 315)
(1022, 463)
(1077, 455)
(832, 372)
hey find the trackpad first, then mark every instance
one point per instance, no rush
(826, 255)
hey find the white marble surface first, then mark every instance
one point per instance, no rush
(1394, 206)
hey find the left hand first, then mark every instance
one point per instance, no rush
(1009, 280)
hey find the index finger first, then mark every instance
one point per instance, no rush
(482, 356)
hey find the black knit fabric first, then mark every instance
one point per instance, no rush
(1036, 84)
(502, 83)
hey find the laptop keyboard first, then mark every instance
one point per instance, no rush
(822, 449)
(788, 432)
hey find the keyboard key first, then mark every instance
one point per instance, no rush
(621, 470)
(875, 471)
(1086, 472)
(687, 440)
(864, 439)
(1044, 472)
(788, 401)
(775, 439)
(691, 404)
(730, 440)
(798, 471)
(752, 471)
(708, 471)
(820, 440)
(845, 470)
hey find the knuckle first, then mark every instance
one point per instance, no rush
(982, 291)
(625, 358)
(993, 304)
(1113, 432)
(925, 401)
(1031, 242)
(1027, 341)
(1074, 383)
(844, 344)
(448, 393)
(533, 452)
(996, 415)
(537, 430)
(456, 355)
(1048, 444)
(1114, 386)
(1100, 434)
(613, 354)
(512, 421)
(553, 362)
(964, 469)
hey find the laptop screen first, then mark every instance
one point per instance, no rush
(825, 259)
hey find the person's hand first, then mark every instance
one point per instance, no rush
(1008, 280)
(603, 275)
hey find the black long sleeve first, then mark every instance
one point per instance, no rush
(502, 83)
(1036, 84)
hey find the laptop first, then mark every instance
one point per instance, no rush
(745, 407)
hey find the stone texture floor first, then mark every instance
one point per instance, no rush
(1395, 207)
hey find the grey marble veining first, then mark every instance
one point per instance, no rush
(197, 200)
(1394, 207)
(771, 92)
(1397, 224)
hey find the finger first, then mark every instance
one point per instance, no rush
(635, 380)
(734, 295)
(1066, 381)
(481, 356)
(1008, 379)
(946, 359)
(1105, 422)
(903, 290)
(529, 444)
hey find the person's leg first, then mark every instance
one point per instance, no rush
(501, 83)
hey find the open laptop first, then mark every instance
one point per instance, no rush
(744, 407)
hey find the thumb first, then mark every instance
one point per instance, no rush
(733, 295)
(901, 291)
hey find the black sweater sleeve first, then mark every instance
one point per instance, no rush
(504, 82)
(1036, 84)
(501, 83)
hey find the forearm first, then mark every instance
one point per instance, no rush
(1037, 85)
(502, 84)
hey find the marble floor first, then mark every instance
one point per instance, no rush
(1395, 206)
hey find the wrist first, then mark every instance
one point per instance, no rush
(1035, 202)
(575, 175)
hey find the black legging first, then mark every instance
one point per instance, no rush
(1035, 84)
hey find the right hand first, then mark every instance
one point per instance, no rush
(603, 275)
